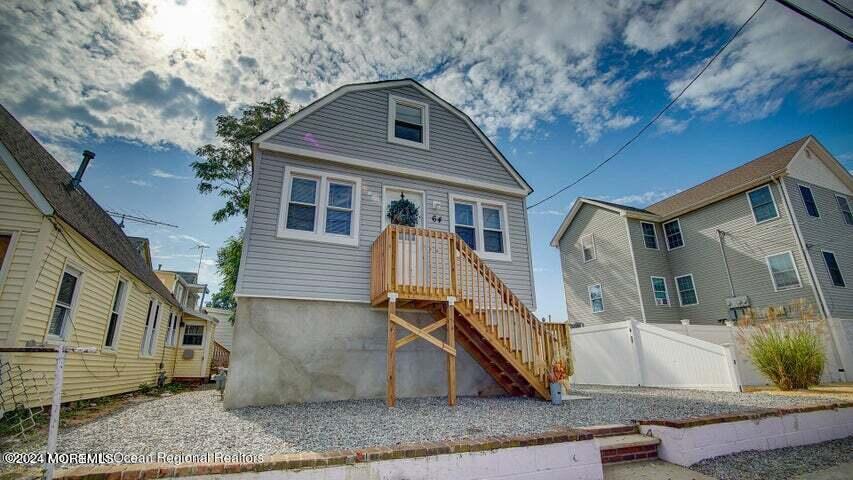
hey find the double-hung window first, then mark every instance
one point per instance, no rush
(808, 201)
(783, 271)
(193, 336)
(686, 290)
(482, 224)
(844, 206)
(763, 204)
(588, 247)
(672, 231)
(149, 336)
(596, 298)
(66, 299)
(171, 332)
(650, 236)
(659, 291)
(116, 313)
(320, 206)
(408, 122)
(833, 269)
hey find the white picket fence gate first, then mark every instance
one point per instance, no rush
(703, 357)
(632, 353)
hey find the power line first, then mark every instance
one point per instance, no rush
(137, 219)
(826, 24)
(657, 116)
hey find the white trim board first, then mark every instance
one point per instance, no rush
(30, 188)
(262, 139)
(389, 168)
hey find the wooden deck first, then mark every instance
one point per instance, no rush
(437, 272)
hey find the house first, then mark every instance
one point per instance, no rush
(326, 285)
(69, 275)
(225, 327)
(197, 328)
(767, 233)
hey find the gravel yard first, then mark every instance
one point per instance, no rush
(195, 422)
(778, 464)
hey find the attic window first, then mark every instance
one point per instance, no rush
(408, 122)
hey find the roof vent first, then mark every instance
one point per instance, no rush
(87, 157)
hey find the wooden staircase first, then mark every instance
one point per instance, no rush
(435, 271)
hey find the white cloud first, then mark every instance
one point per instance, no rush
(164, 174)
(159, 72)
(642, 199)
(138, 182)
(190, 238)
(667, 124)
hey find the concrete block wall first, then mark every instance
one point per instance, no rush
(686, 446)
(576, 460)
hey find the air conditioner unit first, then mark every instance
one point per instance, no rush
(661, 301)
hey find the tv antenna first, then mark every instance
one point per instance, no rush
(200, 247)
(133, 218)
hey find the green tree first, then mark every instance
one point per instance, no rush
(226, 169)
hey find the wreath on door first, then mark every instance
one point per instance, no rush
(403, 212)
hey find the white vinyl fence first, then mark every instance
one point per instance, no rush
(632, 353)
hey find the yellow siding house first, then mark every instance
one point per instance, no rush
(69, 275)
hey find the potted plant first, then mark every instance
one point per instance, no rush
(556, 377)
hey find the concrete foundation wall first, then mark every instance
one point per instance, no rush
(288, 351)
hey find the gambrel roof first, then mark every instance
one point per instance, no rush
(263, 139)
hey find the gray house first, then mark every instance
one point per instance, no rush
(772, 231)
(322, 275)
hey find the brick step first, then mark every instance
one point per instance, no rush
(598, 431)
(627, 448)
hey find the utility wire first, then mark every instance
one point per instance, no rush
(657, 116)
(826, 24)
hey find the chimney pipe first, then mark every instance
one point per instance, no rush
(159, 266)
(87, 157)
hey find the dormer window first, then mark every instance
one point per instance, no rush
(408, 122)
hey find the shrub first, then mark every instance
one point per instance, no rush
(789, 352)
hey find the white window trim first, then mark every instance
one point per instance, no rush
(800, 186)
(837, 203)
(154, 317)
(665, 290)
(655, 230)
(121, 309)
(393, 100)
(385, 199)
(840, 272)
(6, 261)
(203, 336)
(594, 252)
(796, 270)
(589, 297)
(77, 271)
(695, 290)
(478, 224)
(172, 329)
(680, 232)
(319, 235)
(772, 197)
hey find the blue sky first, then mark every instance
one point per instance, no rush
(557, 85)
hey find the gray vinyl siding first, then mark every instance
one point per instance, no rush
(650, 263)
(612, 268)
(279, 267)
(747, 245)
(356, 125)
(828, 232)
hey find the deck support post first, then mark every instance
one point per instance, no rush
(391, 381)
(451, 358)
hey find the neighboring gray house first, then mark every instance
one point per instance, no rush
(306, 328)
(772, 231)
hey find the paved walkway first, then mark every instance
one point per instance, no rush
(655, 470)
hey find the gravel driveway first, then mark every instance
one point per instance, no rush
(195, 422)
(779, 464)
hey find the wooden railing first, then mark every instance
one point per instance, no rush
(423, 264)
(220, 357)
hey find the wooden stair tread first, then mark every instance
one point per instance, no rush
(616, 442)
